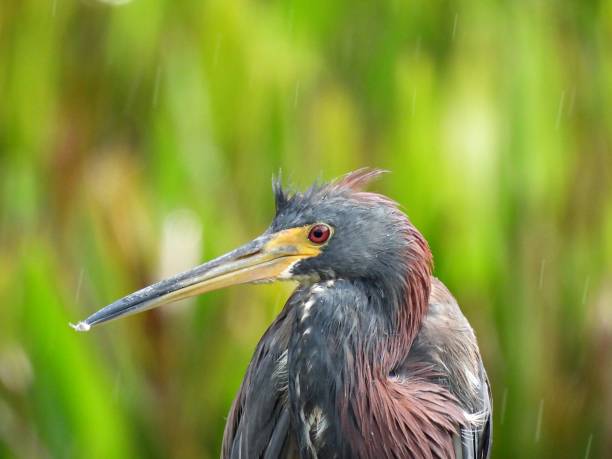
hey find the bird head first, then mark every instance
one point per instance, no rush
(332, 230)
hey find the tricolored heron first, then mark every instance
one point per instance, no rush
(371, 356)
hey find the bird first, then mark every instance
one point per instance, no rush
(371, 356)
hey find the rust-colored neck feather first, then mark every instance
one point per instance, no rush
(408, 297)
(413, 306)
(403, 415)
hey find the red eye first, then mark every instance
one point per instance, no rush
(319, 234)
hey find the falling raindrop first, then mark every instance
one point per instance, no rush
(560, 110)
(542, 266)
(539, 421)
(454, 26)
(78, 289)
(585, 291)
(503, 407)
(588, 447)
(156, 86)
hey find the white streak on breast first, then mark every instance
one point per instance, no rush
(317, 289)
(317, 422)
(306, 309)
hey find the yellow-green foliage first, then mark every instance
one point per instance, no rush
(139, 137)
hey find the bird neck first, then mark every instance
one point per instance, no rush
(402, 299)
(348, 337)
(411, 296)
(379, 315)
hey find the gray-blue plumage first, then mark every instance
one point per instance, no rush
(371, 356)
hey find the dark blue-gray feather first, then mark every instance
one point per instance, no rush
(321, 381)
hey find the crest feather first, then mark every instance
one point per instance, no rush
(280, 196)
(358, 179)
(354, 181)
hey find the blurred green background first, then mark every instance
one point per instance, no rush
(139, 138)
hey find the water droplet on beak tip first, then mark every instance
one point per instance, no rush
(81, 326)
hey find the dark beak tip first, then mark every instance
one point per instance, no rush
(82, 326)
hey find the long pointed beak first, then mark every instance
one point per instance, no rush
(266, 258)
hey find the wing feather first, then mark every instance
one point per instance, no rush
(446, 343)
(258, 422)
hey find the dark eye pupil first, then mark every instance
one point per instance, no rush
(318, 233)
